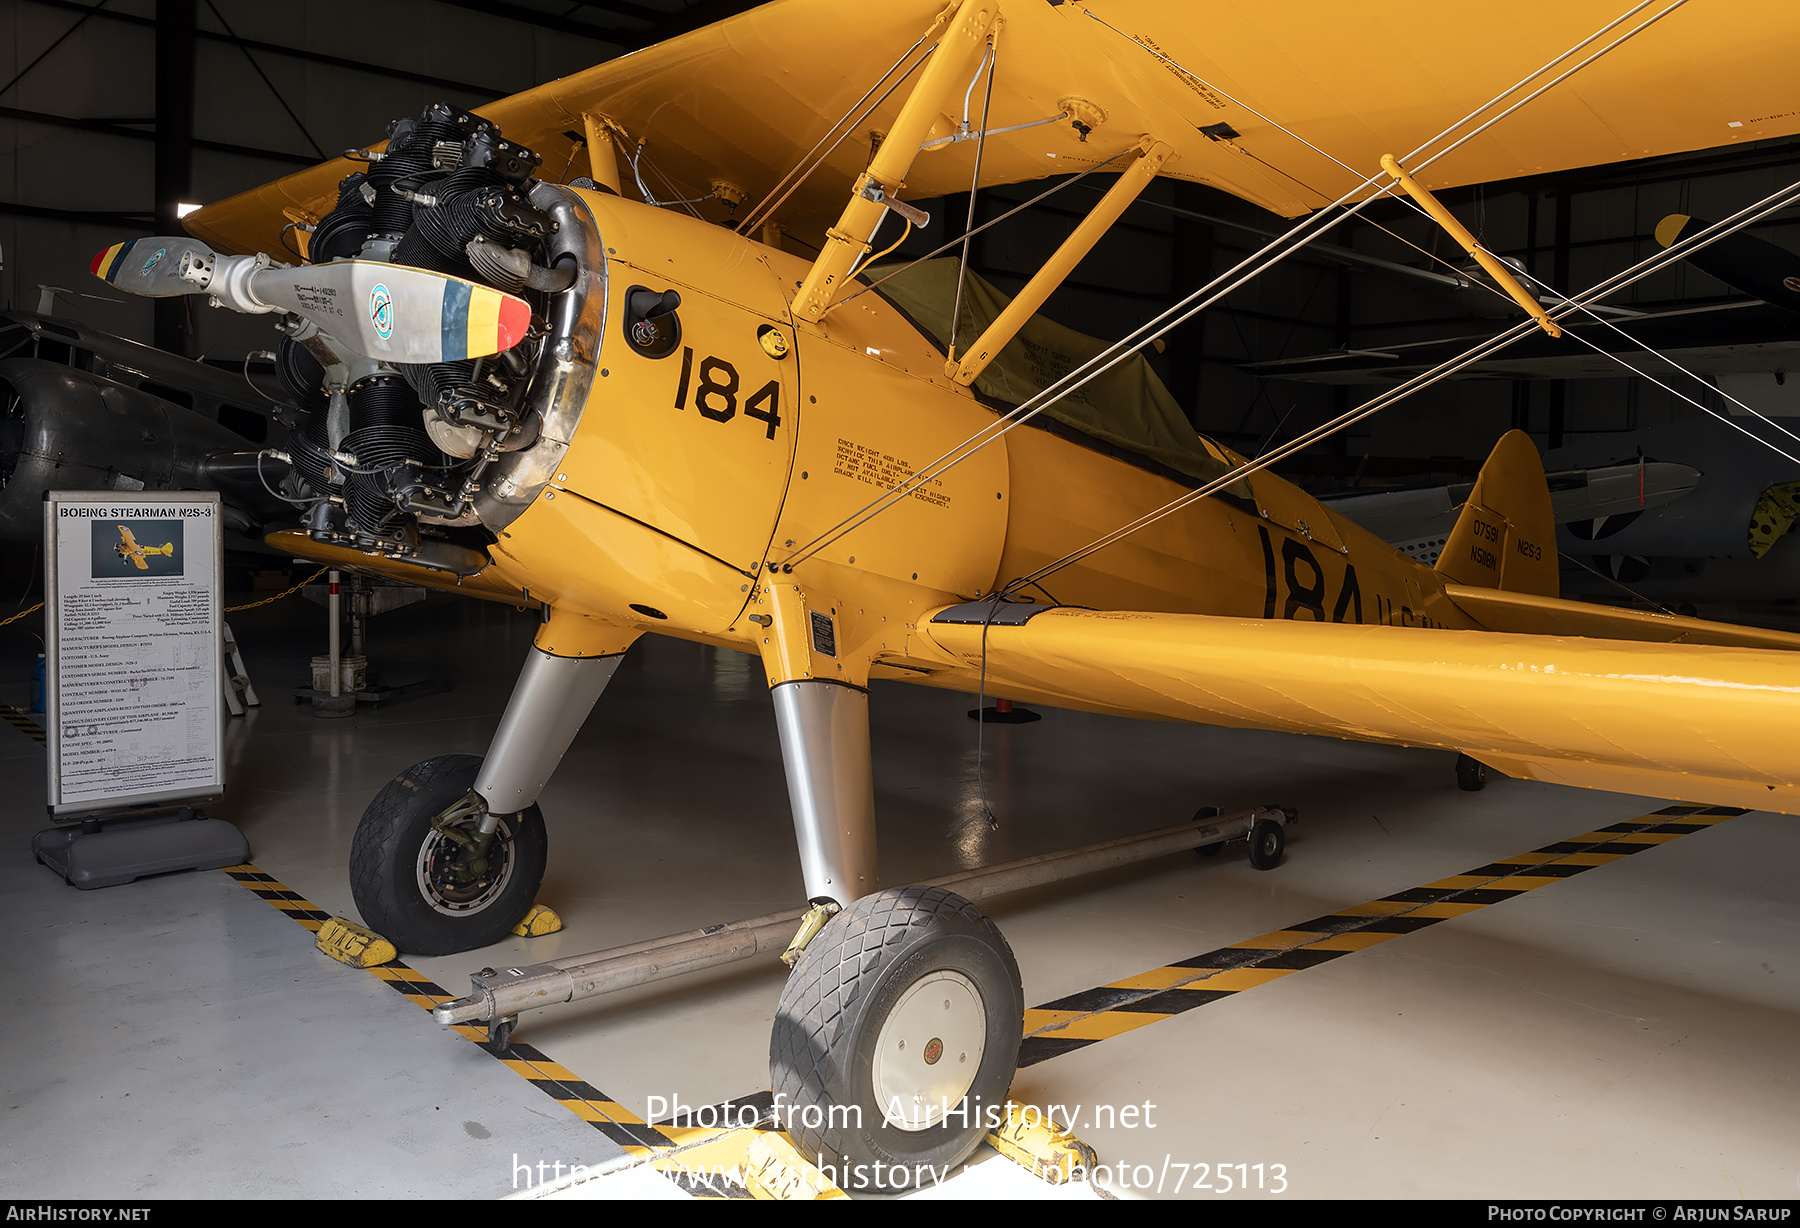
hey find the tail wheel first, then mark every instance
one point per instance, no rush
(896, 1039)
(420, 875)
(1471, 774)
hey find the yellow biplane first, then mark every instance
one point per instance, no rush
(733, 420)
(129, 548)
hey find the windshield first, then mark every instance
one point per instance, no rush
(1127, 408)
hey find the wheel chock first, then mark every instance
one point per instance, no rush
(1032, 1141)
(775, 1171)
(538, 922)
(349, 943)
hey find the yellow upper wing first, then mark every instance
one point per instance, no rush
(743, 101)
(1686, 721)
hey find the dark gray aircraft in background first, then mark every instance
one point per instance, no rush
(82, 409)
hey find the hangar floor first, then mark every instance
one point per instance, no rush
(1628, 1032)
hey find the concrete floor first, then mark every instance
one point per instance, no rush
(1627, 1033)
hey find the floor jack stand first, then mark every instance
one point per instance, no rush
(340, 680)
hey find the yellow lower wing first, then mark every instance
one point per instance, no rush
(1687, 721)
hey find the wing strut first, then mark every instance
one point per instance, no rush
(603, 153)
(963, 42)
(1499, 272)
(1152, 154)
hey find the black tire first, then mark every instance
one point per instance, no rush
(891, 950)
(1471, 774)
(400, 878)
(1267, 840)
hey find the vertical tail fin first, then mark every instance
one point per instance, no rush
(1506, 535)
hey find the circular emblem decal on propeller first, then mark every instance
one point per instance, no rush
(163, 251)
(381, 311)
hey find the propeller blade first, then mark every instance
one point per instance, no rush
(398, 314)
(1742, 261)
(150, 267)
(387, 312)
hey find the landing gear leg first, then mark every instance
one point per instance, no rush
(450, 855)
(900, 1026)
(825, 749)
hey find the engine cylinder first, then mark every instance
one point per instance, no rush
(387, 431)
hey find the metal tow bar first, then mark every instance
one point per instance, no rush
(498, 995)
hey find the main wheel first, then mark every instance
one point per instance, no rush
(896, 1039)
(423, 888)
(1471, 774)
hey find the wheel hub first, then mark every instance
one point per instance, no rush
(457, 887)
(929, 1050)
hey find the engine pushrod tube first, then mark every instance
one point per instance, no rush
(500, 993)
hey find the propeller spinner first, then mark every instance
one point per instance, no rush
(387, 312)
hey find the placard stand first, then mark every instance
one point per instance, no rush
(109, 850)
(134, 642)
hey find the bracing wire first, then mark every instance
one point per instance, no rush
(767, 206)
(994, 221)
(962, 268)
(1779, 199)
(1591, 313)
(1305, 232)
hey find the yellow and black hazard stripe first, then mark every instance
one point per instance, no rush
(1093, 1015)
(23, 723)
(679, 1151)
(280, 895)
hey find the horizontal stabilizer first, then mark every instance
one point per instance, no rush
(1527, 614)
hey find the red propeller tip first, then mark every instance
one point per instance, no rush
(515, 318)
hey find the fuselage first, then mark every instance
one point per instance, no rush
(692, 474)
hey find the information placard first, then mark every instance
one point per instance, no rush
(133, 651)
